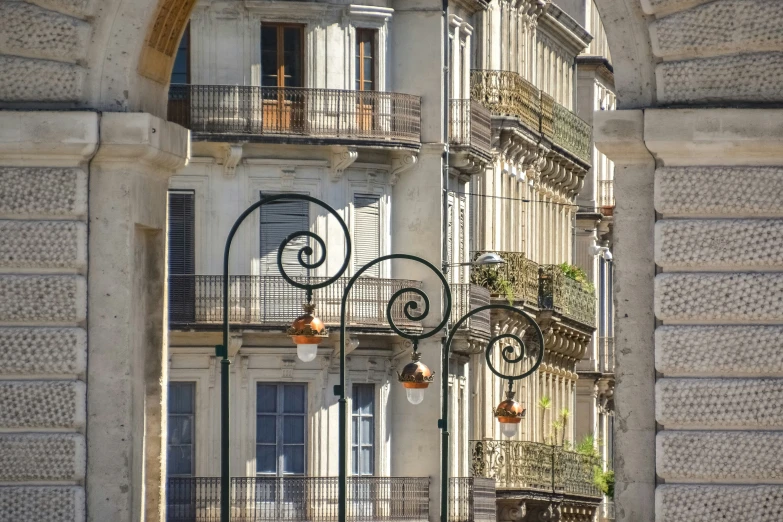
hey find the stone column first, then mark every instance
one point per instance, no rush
(59, 401)
(620, 135)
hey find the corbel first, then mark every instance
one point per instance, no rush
(341, 158)
(232, 155)
(401, 161)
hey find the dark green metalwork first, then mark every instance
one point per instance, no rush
(222, 350)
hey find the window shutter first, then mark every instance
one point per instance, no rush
(182, 257)
(367, 233)
(278, 220)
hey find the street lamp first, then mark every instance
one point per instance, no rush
(415, 378)
(509, 414)
(307, 331)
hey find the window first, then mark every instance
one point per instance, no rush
(278, 220)
(367, 232)
(280, 429)
(181, 425)
(281, 55)
(182, 259)
(365, 59)
(363, 425)
(181, 71)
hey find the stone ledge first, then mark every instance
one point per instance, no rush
(720, 456)
(719, 298)
(717, 137)
(42, 404)
(719, 403)
(43, 299)
(43, 246)
(743, 244)
(45, 138)
(41, 458)
(43, 193)
(42, 503)
(701, 192)
(711, 351)
(709, 503)
(43, 351)
(39, 81)
(620, 135)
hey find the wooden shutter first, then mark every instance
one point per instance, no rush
(367, 233)
(182, 256)
(278, 220)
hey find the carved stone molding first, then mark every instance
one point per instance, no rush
(287, 176)
(232, 155)
(401, 161)
(340, 159)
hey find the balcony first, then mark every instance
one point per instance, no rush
(299, 499)
(271, 301)
(515, 280)
(565, 296)
(470, 129)
(472, 499)
(535, 467)
(296, 115)
(466, 297)
(507, 94)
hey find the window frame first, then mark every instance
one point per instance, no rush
(186, 37)
(280, 58)
(359, 75)
(194, 385)
(355, 468)
(279, 435)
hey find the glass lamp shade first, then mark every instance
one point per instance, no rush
(509, 429)
(306, 352)
(415, 395)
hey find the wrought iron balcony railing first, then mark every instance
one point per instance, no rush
(296, 112)
(464, 298)
(516, 279)
(470, 126)
(606, 193)
(565, 296)
(506, 93)
(299, 499)
(533, 466)
(472, 499)
(271, 301)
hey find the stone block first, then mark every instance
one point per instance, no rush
(44, 193)
(711, 351)
(713, 503)
(32, 80)
(80, 8)
(28, 457)
(701, 191)
(730, 298)
(717, 28)
(43, 351)
(43, 245)
(742, 78)
(28, 30)
(43, 299)
(42, 503)
(719, 244)
(719, 403)
(42, 404)
(720, 456)
(662, 7)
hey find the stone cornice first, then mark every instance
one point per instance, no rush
(62, 139)
(567, 31)
(620, 135)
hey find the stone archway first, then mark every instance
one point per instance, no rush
(712, 175)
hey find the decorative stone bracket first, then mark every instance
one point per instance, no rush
(340, 159)
(401, 162)
(232, 155)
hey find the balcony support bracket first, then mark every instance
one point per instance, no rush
(232, 155)
(341, 158)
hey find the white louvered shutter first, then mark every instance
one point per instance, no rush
(367, 233)
(278, 220)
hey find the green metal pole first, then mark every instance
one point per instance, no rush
(444, 433)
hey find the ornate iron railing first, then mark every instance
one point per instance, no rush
(472, 499)
(572, 133)
(517, 278)
(298, 499)
(606, 193)
(506, 93)
(534, 466)
(566, 296)
(466, 297)
(270, 300)
(470, 125)
(296, 112)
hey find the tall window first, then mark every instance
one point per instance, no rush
(181, 423)
(367, 232)
(278, 220)
(363, 423)
(181, 71)
(182, 258)
(280, 429)
(281, 55)
(365, 59)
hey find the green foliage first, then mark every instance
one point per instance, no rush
(588, 447)
(604, 481)
(495, 281)
(578, 275)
